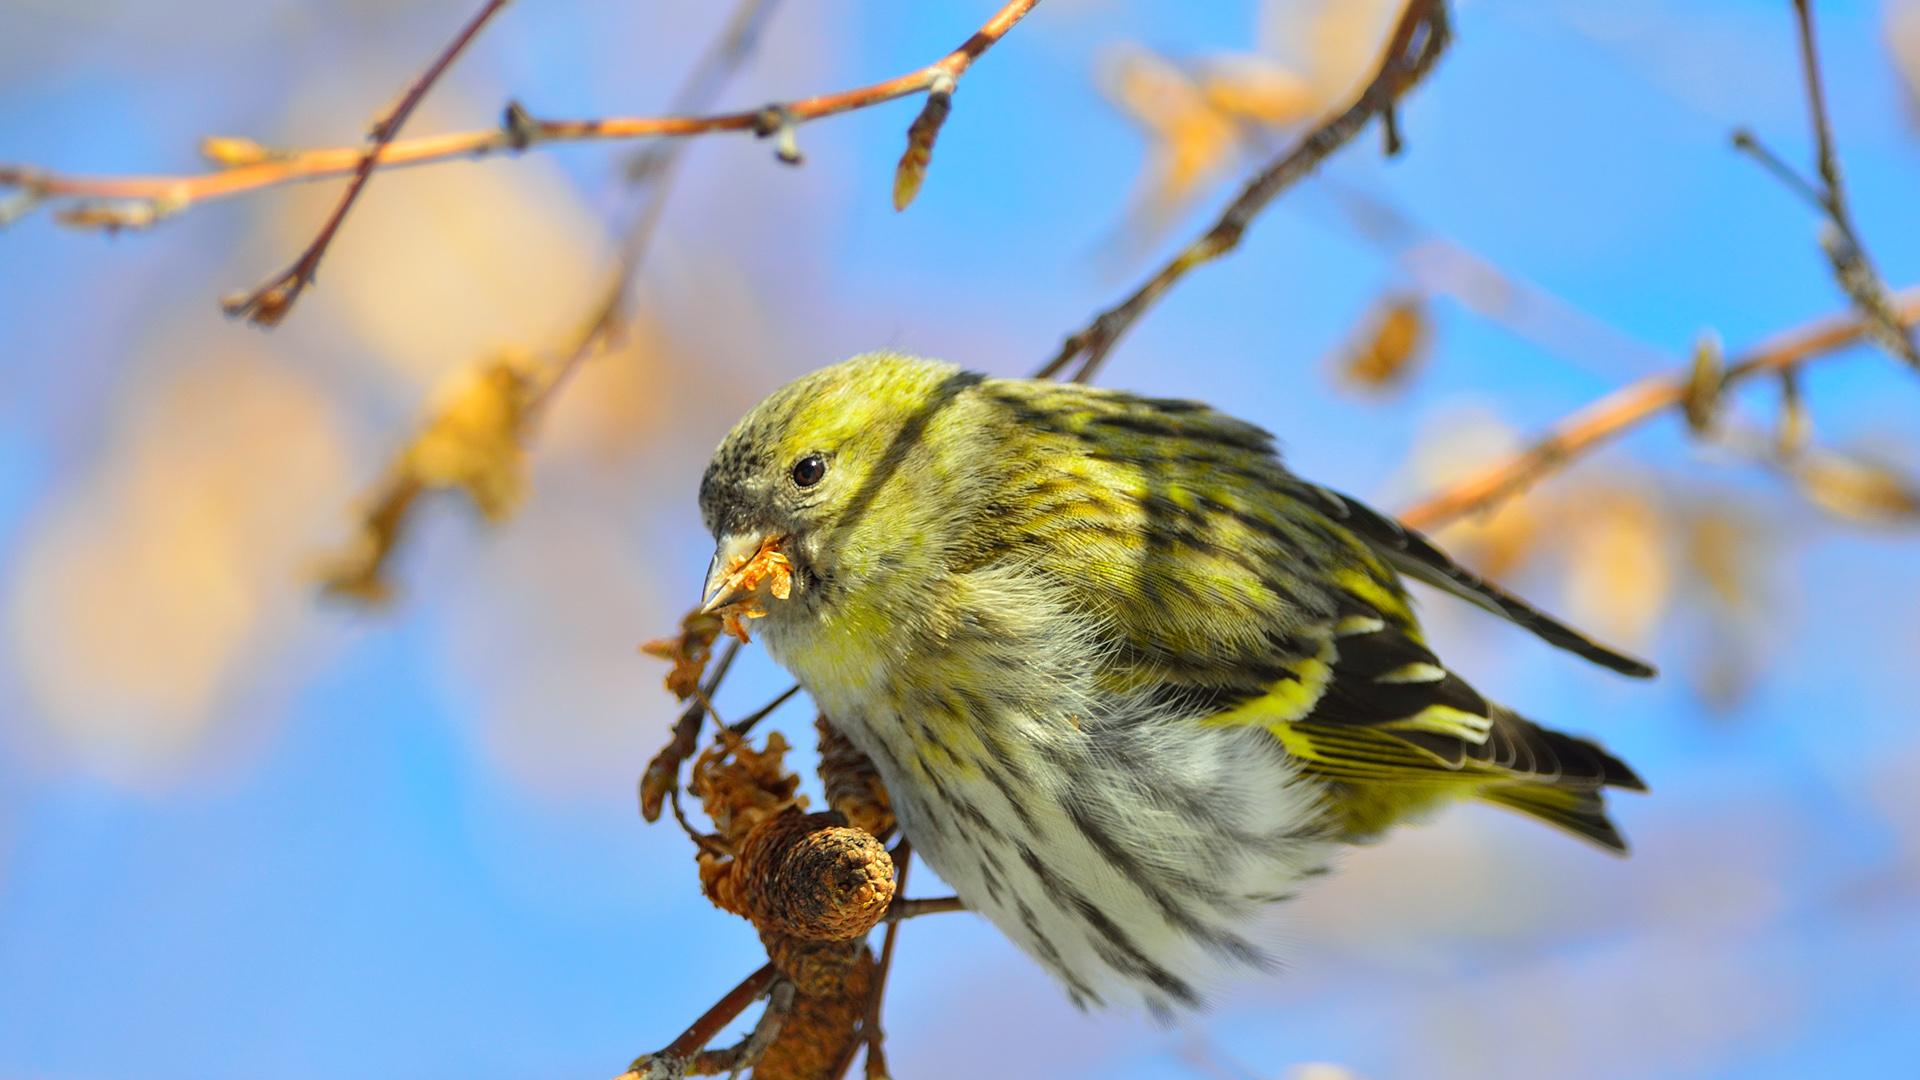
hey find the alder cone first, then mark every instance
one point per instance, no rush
(853, 785)
(812, 877)
(821, 1027)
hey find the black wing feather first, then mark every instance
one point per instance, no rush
(1415, 556)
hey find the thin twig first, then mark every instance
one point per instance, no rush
(1417, 41)
(876, 1054)
(1853, 268)
(706, 701)
(1634, 403)
(1826, 160)
(765, 1030)
(1747, 141)
(745, 724)
(653, 169)
(268, 304)
(700, 840)
(670, 1063)
(902, 909)
(176, 193)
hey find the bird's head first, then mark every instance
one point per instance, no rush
(837, 477)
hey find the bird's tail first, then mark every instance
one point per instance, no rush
(1573, 800)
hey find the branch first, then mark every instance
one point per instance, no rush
(166, 195)
(902, 908)
(361, 572)
(1852, 268)
(1634, 403)
(268, 304)
(671, 1062)
(1417, 41)
(654, 168)
(1826, 160)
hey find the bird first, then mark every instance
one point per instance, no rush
(1129, 682)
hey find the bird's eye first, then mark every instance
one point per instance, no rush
(809, 470)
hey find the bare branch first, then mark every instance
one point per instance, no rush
(519, 131)
(902, 908)
(1826, 160)
(1632, 404)
(671, 1062)
(268, 304)
(1416, 43)
(1852, 267)
(654, 167)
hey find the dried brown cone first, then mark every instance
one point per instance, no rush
(810, 876)
(853, 787)
(740, 787)
(820, 1031)
(818, 968)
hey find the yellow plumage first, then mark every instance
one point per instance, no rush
(1126, 677)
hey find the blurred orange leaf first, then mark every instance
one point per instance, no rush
(1390, 342)
(1857, 490)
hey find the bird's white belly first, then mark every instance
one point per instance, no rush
(1132, 858)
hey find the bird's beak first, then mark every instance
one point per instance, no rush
(745, 567)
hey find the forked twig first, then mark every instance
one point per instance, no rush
(268, 304)
(1416, 43)
(1852, 267)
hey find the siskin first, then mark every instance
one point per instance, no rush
(1127, 679)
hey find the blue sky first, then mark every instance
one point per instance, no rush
(405, 843)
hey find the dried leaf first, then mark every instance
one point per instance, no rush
(739, 787)
(1190, 141)
(1720, 552)
(359, 573)
(474, 442)
(1866, 492)
(1730, 557)
(689, 650)
(1256, 89)
(1393, 338)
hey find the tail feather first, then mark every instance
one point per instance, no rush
(1571, 796)
(1580, 812)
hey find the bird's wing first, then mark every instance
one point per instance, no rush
(1375, 710)
(1229, 590)
(1415, 556)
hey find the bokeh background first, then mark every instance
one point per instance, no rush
(244, 832)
